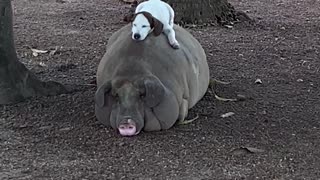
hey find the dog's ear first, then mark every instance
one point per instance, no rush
(158, 26)
(155, 24)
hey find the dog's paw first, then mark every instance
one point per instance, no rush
(175, 45)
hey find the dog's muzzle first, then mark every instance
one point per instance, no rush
(136, 36)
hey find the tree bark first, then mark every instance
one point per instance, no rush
(203, 11)
(16, 82)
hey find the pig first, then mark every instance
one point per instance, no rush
(147, 85)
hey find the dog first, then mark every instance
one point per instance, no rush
(154, 16)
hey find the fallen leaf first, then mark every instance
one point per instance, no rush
(65, 129)
(224, 99)
(213, 81)
(36, 52)
(255, 150)
(241, 97)
(39, 51)
(187, 121)
(240, 151)
(246, 150)
(228, 114)
(52, 52)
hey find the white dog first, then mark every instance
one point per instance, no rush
(156, 16)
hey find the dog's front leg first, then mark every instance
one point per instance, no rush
(171, 35)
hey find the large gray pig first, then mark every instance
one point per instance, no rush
(147, 85)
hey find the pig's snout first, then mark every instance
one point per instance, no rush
(128, 129)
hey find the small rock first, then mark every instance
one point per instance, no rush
(42, 64)
(228, 26)
(227, 114)
(264, 112)
(241, 97)
(258, 81)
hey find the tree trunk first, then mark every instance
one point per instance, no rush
(203, 11)
(16, 81)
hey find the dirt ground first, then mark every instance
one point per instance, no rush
(273, 134)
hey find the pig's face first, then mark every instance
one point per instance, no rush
(127, 110)
(128, 101)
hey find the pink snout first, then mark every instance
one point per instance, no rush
(128, 129)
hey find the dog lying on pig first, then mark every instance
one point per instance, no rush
(147, 85)
(154, 16)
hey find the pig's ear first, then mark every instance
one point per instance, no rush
(99, 97)
(152, 90)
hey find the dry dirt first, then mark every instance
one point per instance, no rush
(273, 134)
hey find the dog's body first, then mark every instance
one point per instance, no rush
(156, 16)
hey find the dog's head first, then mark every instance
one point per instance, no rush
(144, 23)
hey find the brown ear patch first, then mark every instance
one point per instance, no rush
(158, 27)
(154, 23)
